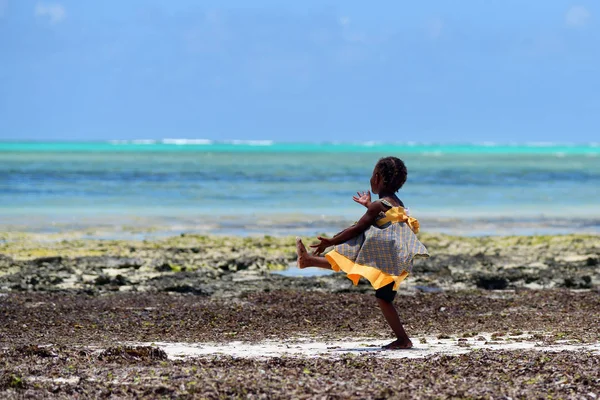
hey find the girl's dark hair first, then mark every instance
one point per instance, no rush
(393, 172)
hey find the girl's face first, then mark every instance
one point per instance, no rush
(375, 181)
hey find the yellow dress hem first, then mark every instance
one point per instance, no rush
(354, 271)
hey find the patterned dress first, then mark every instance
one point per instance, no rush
(382, 254)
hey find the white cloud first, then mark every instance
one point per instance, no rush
(3, 7)
(435, 28)
(577, 16)
(55, 12)
(344, 21)
(350, 34)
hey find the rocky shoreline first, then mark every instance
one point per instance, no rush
(215, 265)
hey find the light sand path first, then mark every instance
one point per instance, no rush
(306, 347)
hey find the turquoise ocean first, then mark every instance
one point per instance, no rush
(262, 187)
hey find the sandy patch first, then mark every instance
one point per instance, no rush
(307, 348)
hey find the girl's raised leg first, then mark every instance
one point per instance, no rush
(305, 259)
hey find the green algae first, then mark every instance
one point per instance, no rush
(24, 246)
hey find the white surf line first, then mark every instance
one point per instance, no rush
(307, 348)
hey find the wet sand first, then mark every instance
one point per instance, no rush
(308, 347)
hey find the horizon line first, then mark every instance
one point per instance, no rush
(268, 142)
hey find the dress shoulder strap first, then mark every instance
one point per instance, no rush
(387, 203)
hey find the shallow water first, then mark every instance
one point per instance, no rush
(251, 188)
(294, 271)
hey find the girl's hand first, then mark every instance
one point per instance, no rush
(320, 247)
(363, 198)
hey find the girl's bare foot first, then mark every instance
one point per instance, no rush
(398, 345)
(302, 254)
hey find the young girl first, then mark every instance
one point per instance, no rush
(380, 247)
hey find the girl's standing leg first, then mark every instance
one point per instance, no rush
(385, 297)
(392, 318)
(305, 259)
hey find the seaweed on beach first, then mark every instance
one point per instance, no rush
(64, 319)
(478, 374)
(132, 353)
(67, 315)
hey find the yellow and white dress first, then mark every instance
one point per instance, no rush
(382, 254)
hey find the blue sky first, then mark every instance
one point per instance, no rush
(448, 71)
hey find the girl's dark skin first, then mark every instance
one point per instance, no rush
(373, 210)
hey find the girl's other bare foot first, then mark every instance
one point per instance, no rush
(398, 345)
(302, 254)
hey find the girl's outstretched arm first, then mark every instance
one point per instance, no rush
(362, 225)
(363, 198)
